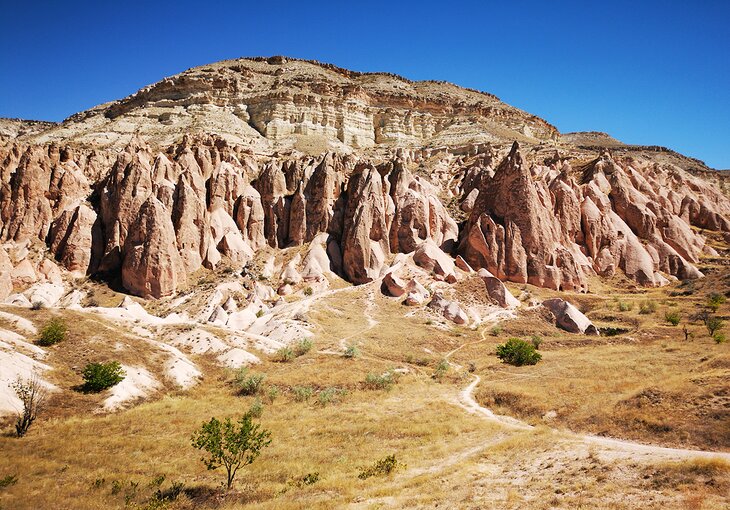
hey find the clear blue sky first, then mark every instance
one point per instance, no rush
(653, 72)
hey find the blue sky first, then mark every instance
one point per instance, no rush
(653, 72)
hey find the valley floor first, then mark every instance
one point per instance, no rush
(646, 384)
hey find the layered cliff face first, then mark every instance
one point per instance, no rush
(130, 193)
(280, 103)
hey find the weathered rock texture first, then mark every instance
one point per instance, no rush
(130, 189)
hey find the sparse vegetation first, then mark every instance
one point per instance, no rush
(625, 306)
(496, 331)
(330, 396)
(52, 333)
(256, 409)
(308, 291)
(647, 307)
(441, 368)
(302, 393)
(32, 395)
(351, 352)
(383, 381)
(100, 376)
(249, 383)
(715, 300)
(302, 347)
(382, 467)
(673, 317)
(7, 481)
(518, 352)
(231, 445)
(37, 305)
(284, 355)
(536, 341)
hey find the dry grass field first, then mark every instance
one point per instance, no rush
(645, 383)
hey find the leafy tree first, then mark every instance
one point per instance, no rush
(52, 333)
(33, 395)
(100, 376)
(518, 352)
(714, 324)
(714, 301)
(232, 445)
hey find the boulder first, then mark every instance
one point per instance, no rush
(449, 309)
(393, 286)
(569, 318)
(432, 258)
(416, 294)
(497, 291)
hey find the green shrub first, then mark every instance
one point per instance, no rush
(302, 393)
(624, 306)
(100, 376)
(383, 467)
(260, 313)
(536, 341)
(272, 392)
(7, 481)
(308, 291)
(351, 352)
(330, 396)
(249, 384)
(52, 333)
(441, 368)
(713, 324)
(496, 330)
(673, 317)
(284, 355)
(719, 337)
(380, 382)
(308, 479)
(518, 352)
(302, 347)
(714, 301)
(256, 409)
(647, 307)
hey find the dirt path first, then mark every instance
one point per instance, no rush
(619, 447)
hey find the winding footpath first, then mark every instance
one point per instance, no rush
(467, 401)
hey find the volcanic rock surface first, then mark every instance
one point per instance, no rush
(223, 163)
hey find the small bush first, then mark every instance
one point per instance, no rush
(260, 313)
(302, 347)
(308, 479)
(100, 376)
(441, 368)
(256, 409)
(249, 384)
(380, 382)
(496, 330)
(714, 301)
(536, 341)
(272, 392)
(52, 333)
(33, 395)
(351, 352)
(518, 353)
(37, 305)
(673, 317)
(302, 393)
(647, 307)
(625, 306)
(308, 291)
(284, 355)
(719, 337)
(7, 481)
(383, 467)
(330, 396)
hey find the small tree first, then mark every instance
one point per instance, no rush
(100, 376)
(714, 324)
(518, 352)
(231, 445)
(714, 301)
(32, 394)
(52, 333)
